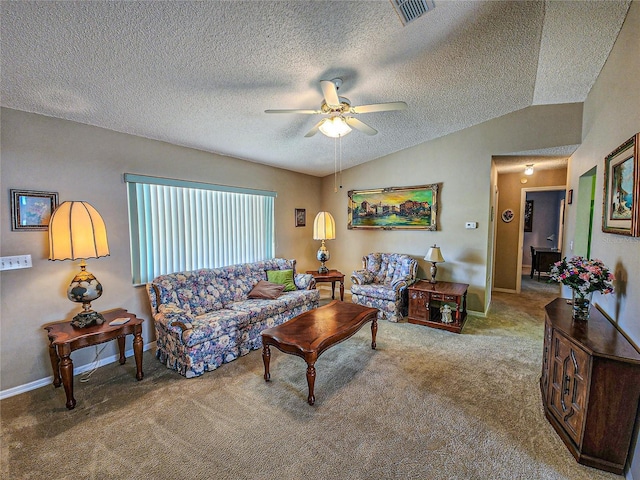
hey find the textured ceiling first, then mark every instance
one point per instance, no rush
(201, 74)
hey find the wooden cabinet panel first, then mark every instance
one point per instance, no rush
(590, 386)
(568, 385)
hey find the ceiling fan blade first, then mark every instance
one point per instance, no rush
(379, 107)
(315, 129)
(361, 126)
(330, 93)
(306, 112)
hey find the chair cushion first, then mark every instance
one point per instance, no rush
(374, 290)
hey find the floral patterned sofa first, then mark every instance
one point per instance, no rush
(383, 282)
(204, 318)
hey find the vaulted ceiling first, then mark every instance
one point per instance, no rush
(201, 74)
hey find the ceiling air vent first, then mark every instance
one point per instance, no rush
(410, 10)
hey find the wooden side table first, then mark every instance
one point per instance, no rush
(426, 300)
(64, 339)
(332, 276)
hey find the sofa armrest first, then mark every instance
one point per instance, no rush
(304, 281)
(174, 319)
(362, 277)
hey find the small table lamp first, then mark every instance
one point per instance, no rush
(324, 228)
(434, 256)
(77, 232)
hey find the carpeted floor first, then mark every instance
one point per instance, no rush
(427, 404)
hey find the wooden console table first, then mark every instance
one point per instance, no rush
(426, 299)
(332, 276)
(64, 339)
(590, 386)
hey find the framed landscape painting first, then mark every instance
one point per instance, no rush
(621, 212)
(394, 208)
(31, 210)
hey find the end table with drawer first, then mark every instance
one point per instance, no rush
(427, 300)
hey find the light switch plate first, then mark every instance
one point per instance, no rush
(15, 262)
(471, 225)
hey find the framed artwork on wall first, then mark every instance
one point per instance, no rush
(507, 215)
(408, 208)
(301, 217)
(528, 215)
(620, 212)
(31, 210)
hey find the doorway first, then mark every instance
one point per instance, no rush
(585, 197)
(545, 224)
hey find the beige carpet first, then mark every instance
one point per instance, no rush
(427, 404)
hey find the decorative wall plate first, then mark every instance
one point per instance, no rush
(507, 215)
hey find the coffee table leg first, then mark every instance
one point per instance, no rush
(266, 356)
(374, 332)
(311, 381)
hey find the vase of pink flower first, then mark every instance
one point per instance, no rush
(583, 276)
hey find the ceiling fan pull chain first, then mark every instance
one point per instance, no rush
(335, 165)
(340, 160)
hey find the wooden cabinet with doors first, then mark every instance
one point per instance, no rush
(590, 386)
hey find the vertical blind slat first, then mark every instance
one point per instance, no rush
(180, 228)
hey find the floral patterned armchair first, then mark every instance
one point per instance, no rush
(382, 283)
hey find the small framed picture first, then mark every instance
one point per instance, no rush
(621, 212)
(301, 217)
(31, 210)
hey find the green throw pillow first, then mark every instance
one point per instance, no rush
(283, 277)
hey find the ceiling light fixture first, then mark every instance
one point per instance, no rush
(335, 127)
(528, 170)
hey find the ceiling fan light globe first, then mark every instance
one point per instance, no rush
(335, 127)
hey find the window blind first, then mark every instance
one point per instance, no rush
(179, 226)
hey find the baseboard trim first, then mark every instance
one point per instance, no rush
(10, 392)
(504, 290)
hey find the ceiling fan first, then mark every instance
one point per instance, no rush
(339, 121)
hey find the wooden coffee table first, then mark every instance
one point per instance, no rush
(313, 332)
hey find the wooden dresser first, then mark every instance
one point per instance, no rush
(590, 386)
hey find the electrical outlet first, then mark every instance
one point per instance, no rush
(15, 262)
(471, 225)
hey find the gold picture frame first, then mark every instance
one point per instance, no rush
(620, 209)
(407, 208)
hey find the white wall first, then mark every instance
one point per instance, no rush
(611, 116)
(82, 162)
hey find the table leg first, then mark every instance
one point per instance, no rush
(374, 332)
(121, 348)
(311, 381)
(55, 365)
(137, 352)
(333, 290)
(266, 357)
(66, 369)
(342, 290)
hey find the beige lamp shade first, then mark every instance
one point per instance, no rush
(76, 231)
(324, 227)
(434, 255)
